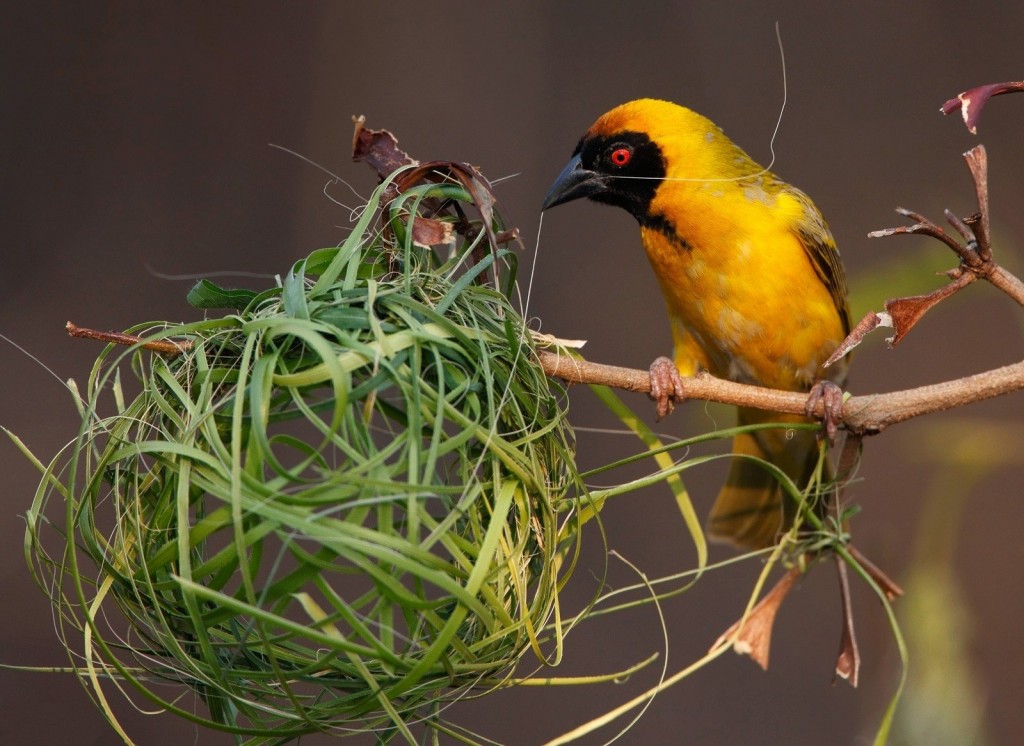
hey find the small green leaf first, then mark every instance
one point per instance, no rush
(293, 296)
(204, 294)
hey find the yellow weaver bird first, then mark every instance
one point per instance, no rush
(755, 289)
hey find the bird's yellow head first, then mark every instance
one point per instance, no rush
(629, 152)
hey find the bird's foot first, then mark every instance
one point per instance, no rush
(831, 396)
(666, 386)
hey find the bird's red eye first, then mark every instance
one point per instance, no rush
(621, 156)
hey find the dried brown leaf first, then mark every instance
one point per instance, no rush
(473, 182)
(971, 102)
(888, 586)
(430, 232)
(906, 312)
(378, 148)
(752, 635)
(848, 660)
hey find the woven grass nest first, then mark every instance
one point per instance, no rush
(337, 508)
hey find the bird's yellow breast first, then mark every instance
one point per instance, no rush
(744, 299)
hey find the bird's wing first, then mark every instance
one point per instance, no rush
(820, 246)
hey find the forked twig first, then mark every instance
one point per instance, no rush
(973, 247)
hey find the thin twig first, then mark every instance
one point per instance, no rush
(165, 346)
(977, 162)
(974, 251)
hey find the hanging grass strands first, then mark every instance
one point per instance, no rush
(337, 508)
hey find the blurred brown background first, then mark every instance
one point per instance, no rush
(135, 140)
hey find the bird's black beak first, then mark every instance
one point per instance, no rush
(574, 182)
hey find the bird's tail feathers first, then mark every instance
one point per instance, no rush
(752, 508)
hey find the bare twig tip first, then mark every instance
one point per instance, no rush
(866, 325)
(163, 346)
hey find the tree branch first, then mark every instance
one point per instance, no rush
(862, 415)
(1008, 283)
